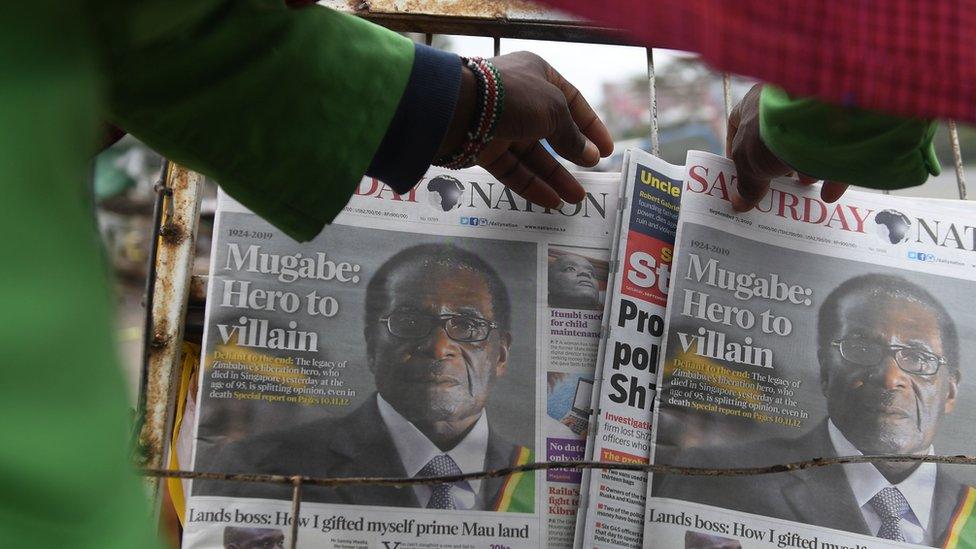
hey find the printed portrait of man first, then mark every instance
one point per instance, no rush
(437, 337)
(573, 283)
(888, 356)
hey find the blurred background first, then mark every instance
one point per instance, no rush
(613, 79)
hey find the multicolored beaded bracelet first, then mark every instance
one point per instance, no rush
(491, 101)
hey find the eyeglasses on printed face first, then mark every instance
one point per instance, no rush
(911, 360)
(460, 328)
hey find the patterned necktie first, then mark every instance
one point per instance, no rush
(440, 497)
(891, 506)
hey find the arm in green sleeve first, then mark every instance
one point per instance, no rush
(284, 108)
(848, 145)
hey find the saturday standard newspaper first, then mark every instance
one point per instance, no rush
(612, 502)
(449, 330)
(803, 330)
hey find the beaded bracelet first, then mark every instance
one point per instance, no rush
(491, 101)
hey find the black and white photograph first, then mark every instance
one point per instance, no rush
(243, 537)
(872, 363)
(432, 357)
(577, 277)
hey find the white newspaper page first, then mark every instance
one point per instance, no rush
(450, 330)
(802, 330)
(613, 508)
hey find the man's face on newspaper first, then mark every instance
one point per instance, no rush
(884, 409)
(437, 378)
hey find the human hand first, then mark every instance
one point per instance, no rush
(539, 104)
(755, 164)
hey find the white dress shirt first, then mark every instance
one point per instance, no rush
(866, 481)
(416, 451)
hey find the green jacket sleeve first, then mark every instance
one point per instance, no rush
(284, 108)
(847, 144)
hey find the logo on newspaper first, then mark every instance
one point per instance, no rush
(444, 194)
(474, 221)
(921, 256)
(893, 227)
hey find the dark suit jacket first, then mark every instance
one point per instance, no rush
(818, 496)
(355, 445)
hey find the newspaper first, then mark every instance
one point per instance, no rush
(802, 330)
(452, 329)
(612, 502)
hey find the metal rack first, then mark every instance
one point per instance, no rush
(171, 286)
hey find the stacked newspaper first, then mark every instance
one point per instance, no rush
(796, 331)
(457, 329)
(450, 330)
(612, 502)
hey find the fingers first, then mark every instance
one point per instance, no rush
(748, 193)
(754, 170)
(732, 128)
(538, 159)
(755, 164)
(584, 118)
(748, 190)
(541, 104)
(806, 179)
(567, 140)
(534, 175)
(832, 191)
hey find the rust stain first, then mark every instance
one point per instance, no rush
(172, 233)
(175, 234)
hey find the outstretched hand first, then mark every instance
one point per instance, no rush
(755, 164)
(539, 104)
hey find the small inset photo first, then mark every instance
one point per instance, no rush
(568, 405)
(242, 537)
(577, 277)
(699, 540)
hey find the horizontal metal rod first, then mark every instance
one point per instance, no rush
(499, 28)
(657, 469)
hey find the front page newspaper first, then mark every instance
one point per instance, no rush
(612, 502)
(802, 330)
(452, 329)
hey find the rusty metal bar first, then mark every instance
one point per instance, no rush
(174, 262)
(497, 18)
(957, 159)
(652, 94)
(296, 508)
(516, 11)
(162, 191)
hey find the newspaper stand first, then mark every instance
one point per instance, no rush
(171, 287)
